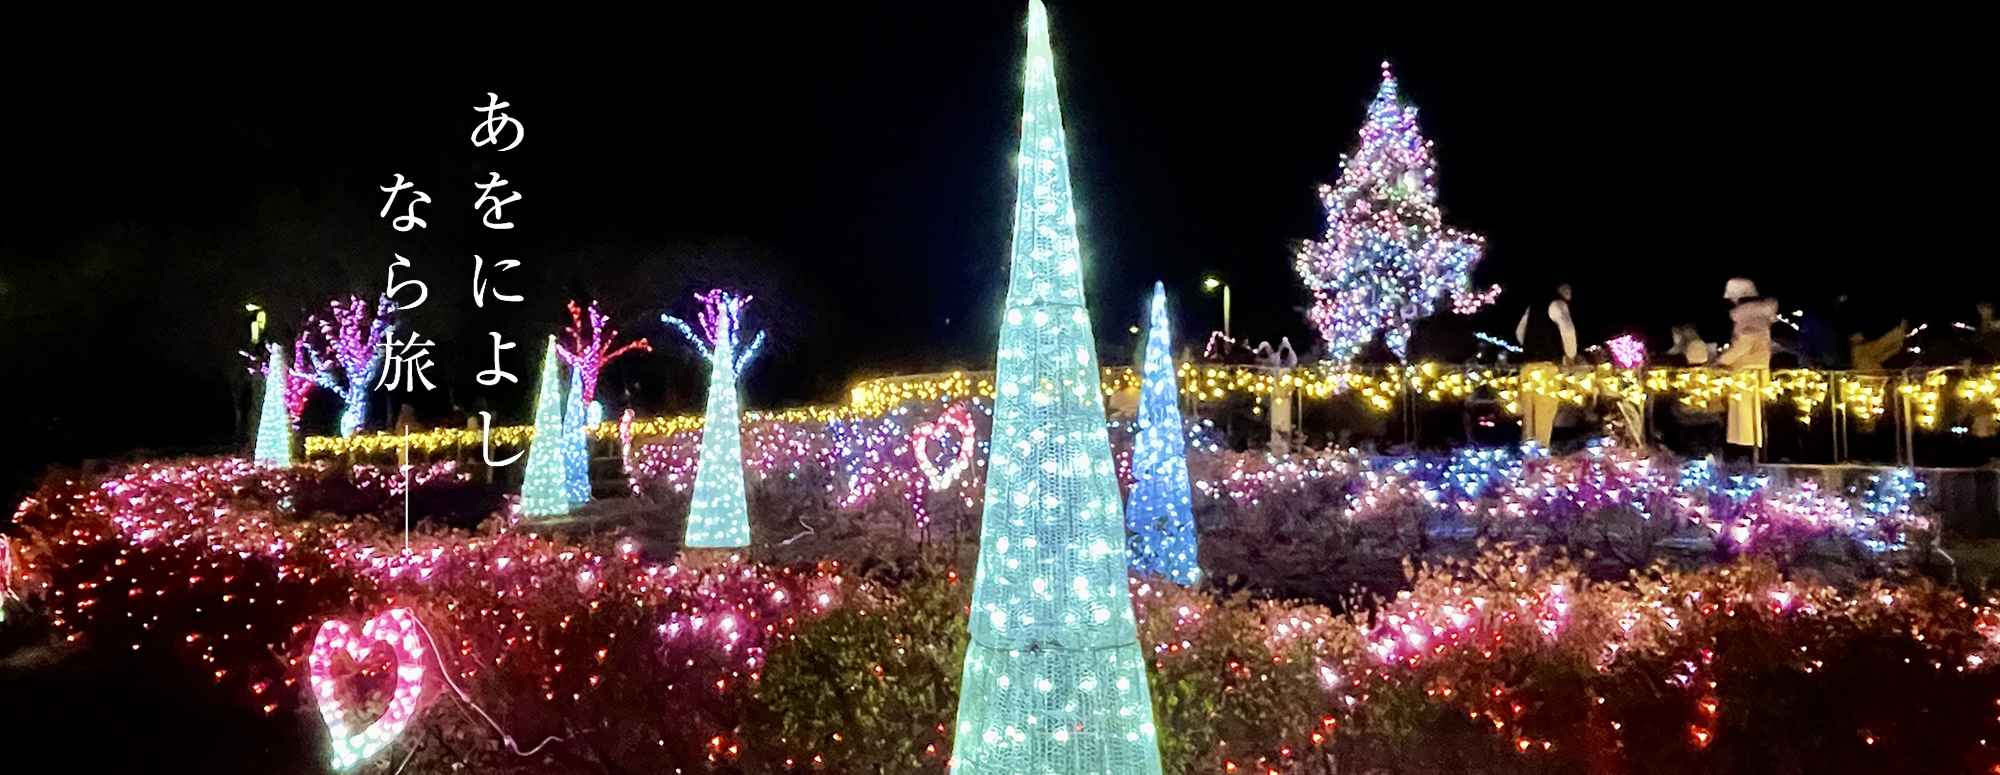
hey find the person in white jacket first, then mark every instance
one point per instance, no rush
(1749, 355)
(1282, 400)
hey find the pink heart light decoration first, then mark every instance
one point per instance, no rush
(396, 627)
(954, 419)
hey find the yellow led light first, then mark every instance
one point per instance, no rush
(1863, 397)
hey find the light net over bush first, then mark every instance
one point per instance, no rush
(1054, 681)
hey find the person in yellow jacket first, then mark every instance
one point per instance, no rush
(1548, 337)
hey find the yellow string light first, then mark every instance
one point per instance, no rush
(1808, 389)
(876, 396)
(1925, 395)
(1982, 388)
(432, 441)
(1861, 396)
(1864, 396)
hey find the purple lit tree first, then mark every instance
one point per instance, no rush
(1387, 257)
(350, 337)
(588, 356)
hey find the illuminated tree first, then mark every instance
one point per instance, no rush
(274, 423)
(719, 515)
(351, 337)
(545, 491)
(575, 447)
(588, 355)
(1055, 679)
(1161, 511)
(298, 383)
(1387, 257)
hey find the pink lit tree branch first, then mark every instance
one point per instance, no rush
(721, 316)
(299, 385)
(350, 337)
(588, 355)
(298, 382)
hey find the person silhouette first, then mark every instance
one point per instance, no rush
(1749, 354)
(1548, 342)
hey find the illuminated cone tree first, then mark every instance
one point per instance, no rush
(1387, 257)
(274, 422)
(575, 447)
(1055, 680)
(1161, 511)
(545, 490)
(719, 515)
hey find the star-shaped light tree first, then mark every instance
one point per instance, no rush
(1387, 256)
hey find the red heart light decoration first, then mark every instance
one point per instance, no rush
(396, 627)
(956, 419)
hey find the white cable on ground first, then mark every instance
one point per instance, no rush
(465, 697)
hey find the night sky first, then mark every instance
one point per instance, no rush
(848, 164)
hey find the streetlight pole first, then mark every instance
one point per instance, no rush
(1212, 284)
(257, 322)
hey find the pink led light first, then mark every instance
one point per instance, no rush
(1628, 352)
(1465, 302)
(299, 384)
(737, 604)
(588, 354)
(954, 420)
(348, 339)
(398, 629)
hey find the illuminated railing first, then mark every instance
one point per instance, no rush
(1859, 396)
(452, 439)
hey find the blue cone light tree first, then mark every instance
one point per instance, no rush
(575, 447)
(1055, 679)
(719, 515)
(274, 421)
(1161, 510)
(545, 491)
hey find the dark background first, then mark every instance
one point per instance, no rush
(848, 164)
